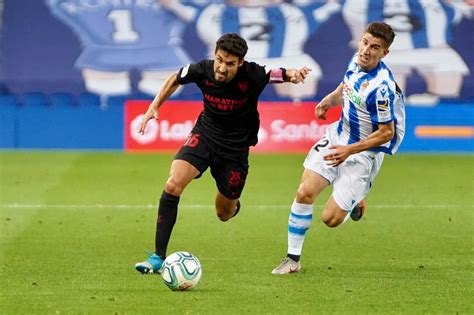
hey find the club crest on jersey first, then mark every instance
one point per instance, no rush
(365, 84)
(243, 86)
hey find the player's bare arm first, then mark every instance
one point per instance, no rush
(340, 153)
(169, 87)
(332, 99)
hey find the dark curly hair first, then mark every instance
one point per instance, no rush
(233, 44)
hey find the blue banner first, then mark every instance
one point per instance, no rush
(128, 47)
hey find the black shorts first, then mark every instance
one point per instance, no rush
(229, 170)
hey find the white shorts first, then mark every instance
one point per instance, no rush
(352, 179)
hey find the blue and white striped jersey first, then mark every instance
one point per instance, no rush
(119, 34)
(417, 23)
(370, 98)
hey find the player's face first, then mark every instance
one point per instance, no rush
(371, 51)
(226, 65)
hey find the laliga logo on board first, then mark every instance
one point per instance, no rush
(163, 129)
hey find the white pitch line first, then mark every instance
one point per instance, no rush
(115, 206)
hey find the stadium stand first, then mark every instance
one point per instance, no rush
(37, 99)
(61, 99)
(8, 99)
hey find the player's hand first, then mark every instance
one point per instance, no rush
(338, 155)
(150, 114)
(297, 76)
(321, 109)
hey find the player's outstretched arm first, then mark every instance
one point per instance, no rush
(296, 75)
(169, 87)
(330, 100)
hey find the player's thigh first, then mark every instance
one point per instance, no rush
(314, 160)
(230, 174)
(354, 180)
(189, 163)
(182, 173)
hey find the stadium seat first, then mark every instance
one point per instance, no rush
(116, 101)
(140, 96)
(35, 99)
(8, 99)
(61, 99)
(89, 99)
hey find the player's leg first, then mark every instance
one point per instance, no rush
(355, 179)
(300, 219)
(316, 177)
(226, 208)
(181, 174)
(189, 163)
(230, 176)
(333, 215)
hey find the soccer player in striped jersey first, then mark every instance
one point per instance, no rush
(350, 154)
(424, 32)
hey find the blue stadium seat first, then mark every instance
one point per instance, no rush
(116, 101)
(35, 99)
(8, 99)
(61, 99)
(89, 99)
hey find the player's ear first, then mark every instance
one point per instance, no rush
(385, 52)
(241, 61)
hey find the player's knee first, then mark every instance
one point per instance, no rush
(304, 195)
(172, 186)
(330, 220)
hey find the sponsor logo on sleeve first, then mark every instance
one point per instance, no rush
(185, 70)
(383, 109)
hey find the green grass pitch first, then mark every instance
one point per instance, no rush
(73, 224)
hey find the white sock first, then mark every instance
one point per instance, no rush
(299, 222)
(348, 215)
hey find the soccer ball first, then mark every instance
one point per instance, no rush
(181, 271)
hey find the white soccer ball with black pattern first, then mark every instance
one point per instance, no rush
(181, 271)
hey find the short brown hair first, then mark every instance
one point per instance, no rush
(381, 30)
(233, 44)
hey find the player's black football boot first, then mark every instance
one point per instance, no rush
(358, 211)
